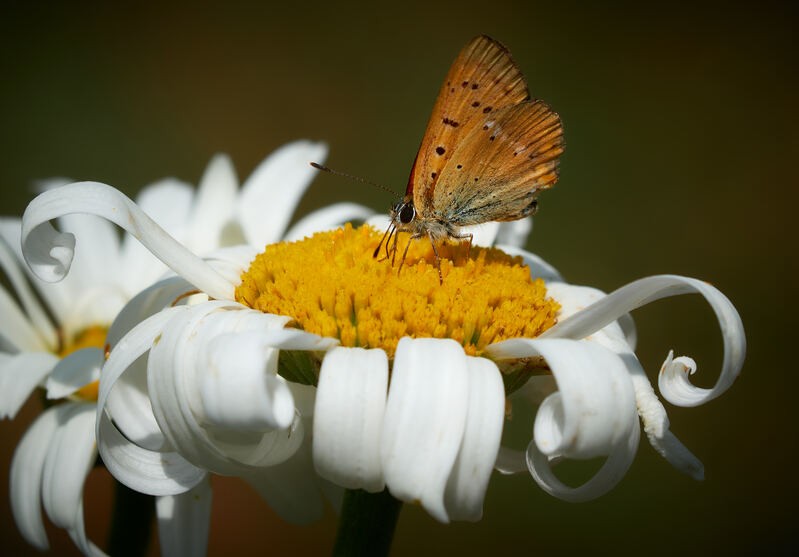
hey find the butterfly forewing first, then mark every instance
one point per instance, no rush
(482, 81)
(499, 166)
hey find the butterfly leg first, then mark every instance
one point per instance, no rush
(438, 259)
(405, 253)
(383, 239)
(470, 236)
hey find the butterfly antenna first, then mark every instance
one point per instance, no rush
(356, 178)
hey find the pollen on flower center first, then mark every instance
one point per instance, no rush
(332, 286)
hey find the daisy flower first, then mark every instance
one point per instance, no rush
(406, 379)
(61, 345)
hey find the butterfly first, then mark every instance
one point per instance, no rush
(488, 150)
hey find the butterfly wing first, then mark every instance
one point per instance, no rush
(482, 81)
(497, 169)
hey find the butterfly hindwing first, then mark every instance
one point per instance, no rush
(497, 169)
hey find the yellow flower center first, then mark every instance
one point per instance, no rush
(90, 337)
(331, 285)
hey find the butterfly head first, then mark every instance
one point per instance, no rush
(403, 214)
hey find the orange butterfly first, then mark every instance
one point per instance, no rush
(487, 151)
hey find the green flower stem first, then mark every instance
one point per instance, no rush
(367, 524)
(131, 523)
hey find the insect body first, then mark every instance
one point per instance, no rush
(486, 153)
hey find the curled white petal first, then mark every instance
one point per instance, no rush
(326, 218)
(424, 420)
(128, 402)
(50, 253)
(592, 414)
(478, 453)
(74, 372)
(611, 472)
(147, 471)
(643, 291)
(152, 472)
(184, 521)
(674, 383)
(239, 384)
(175, 366)
(348, 417)
(650, 409)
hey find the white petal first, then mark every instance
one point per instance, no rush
(511, 461)
(650, 409)
(19, 376)
(70, 458)
(78, 535)
(326, 218)
(146, 471)
(290, 488)
(56, 296)
(592, 414)
(611, 472)
(232, 262)
(16, 332)
(484, 234)
(674, 383)
(184, 520)
(595, 405)
(478, 453)
(98, 262)
(168, 202)
(50, 253)
(643, 291)
(26, 477)
(151, 472)
(239, 384)
(380, 221)
(348, 417)
(514, 233)
(271, 193)
(538, 267)
(213, 206)
(128, 402)
(36, 334)
(139, 423)
(424, 421)
(177, 400)
(74, 372)
(304, 398)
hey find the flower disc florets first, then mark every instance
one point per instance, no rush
(331, 285)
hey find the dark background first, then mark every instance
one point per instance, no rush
(681, 149)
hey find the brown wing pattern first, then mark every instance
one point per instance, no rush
(497, 169)
(482, 80)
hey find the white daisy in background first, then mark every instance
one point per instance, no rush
(411, 375)
(65, 355)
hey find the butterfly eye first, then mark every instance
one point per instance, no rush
(407, 213)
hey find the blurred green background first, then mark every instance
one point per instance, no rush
(681, 149)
